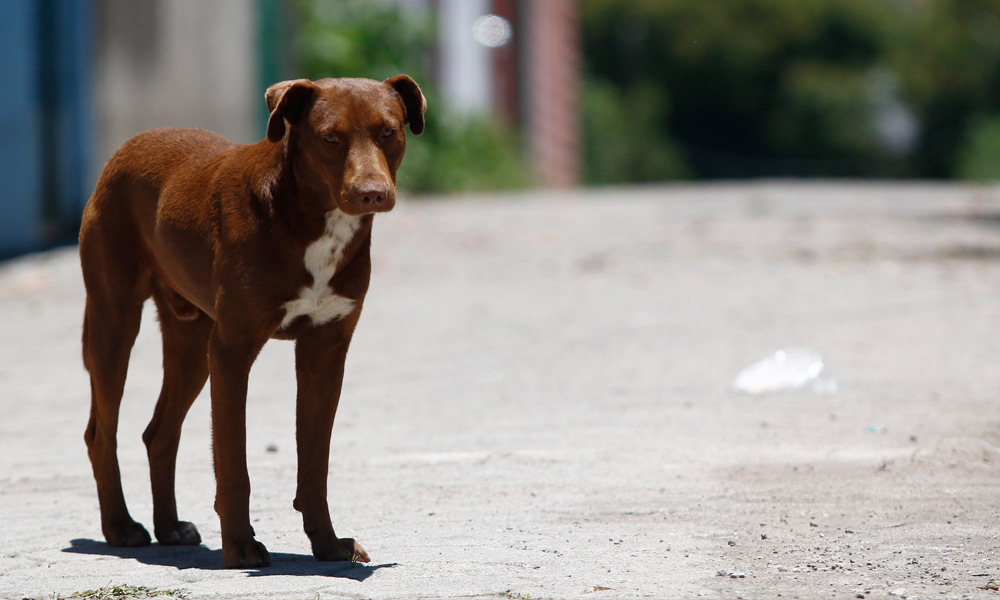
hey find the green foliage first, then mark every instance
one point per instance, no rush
(950, 65)
(463, 153)
(822, 110)
(362, 38)
(372, 38)
(979, 156)
(624, 135)
(784, 87)
(696, 88)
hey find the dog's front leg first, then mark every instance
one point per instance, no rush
(229, 365)
(319, 366)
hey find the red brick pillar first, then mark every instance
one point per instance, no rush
(553, 65)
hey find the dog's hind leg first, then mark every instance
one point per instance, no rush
(185, 370)
(115, 294)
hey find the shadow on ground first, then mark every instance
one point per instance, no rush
(200, 557)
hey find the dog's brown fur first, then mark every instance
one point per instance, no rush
(217, 234)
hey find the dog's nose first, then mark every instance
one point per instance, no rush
(371, 193)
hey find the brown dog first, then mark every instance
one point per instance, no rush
(237, 245)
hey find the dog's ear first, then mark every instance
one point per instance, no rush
(286, 100)
(414, 102)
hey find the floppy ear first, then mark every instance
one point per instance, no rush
(413, 101)
(286, 100)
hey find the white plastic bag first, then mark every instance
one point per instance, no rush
(786, 369)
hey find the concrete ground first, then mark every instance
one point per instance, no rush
(538, 404)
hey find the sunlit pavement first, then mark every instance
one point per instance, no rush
(538, 404)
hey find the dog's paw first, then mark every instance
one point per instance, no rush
(332, 549)
(178, 533)
(126, 533)
(249, 554)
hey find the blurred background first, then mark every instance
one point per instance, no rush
(555, 93)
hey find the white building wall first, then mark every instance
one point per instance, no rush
(465, 68)
(176, 63)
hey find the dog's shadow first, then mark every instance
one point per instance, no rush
(200, 557)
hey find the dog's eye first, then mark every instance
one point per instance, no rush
(387, 132)
(332, 138)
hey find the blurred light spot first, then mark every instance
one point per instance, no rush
(897, 127)
(895, 123)
(491, 31)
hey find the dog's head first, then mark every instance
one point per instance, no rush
(347, 135)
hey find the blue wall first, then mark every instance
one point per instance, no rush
(20, 128)
(45, 54)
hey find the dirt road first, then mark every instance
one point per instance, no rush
(538, 404)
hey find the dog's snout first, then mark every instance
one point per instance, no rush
(371, 193)
(367, 196)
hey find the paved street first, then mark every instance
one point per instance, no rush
(539, 404)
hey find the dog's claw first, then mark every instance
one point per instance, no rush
(129, 534)
(358, 553)
(246, 555)
(180, 533)
(333, 549)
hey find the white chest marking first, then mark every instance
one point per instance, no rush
(319, 302)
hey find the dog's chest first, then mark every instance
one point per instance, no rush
(319, 301)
